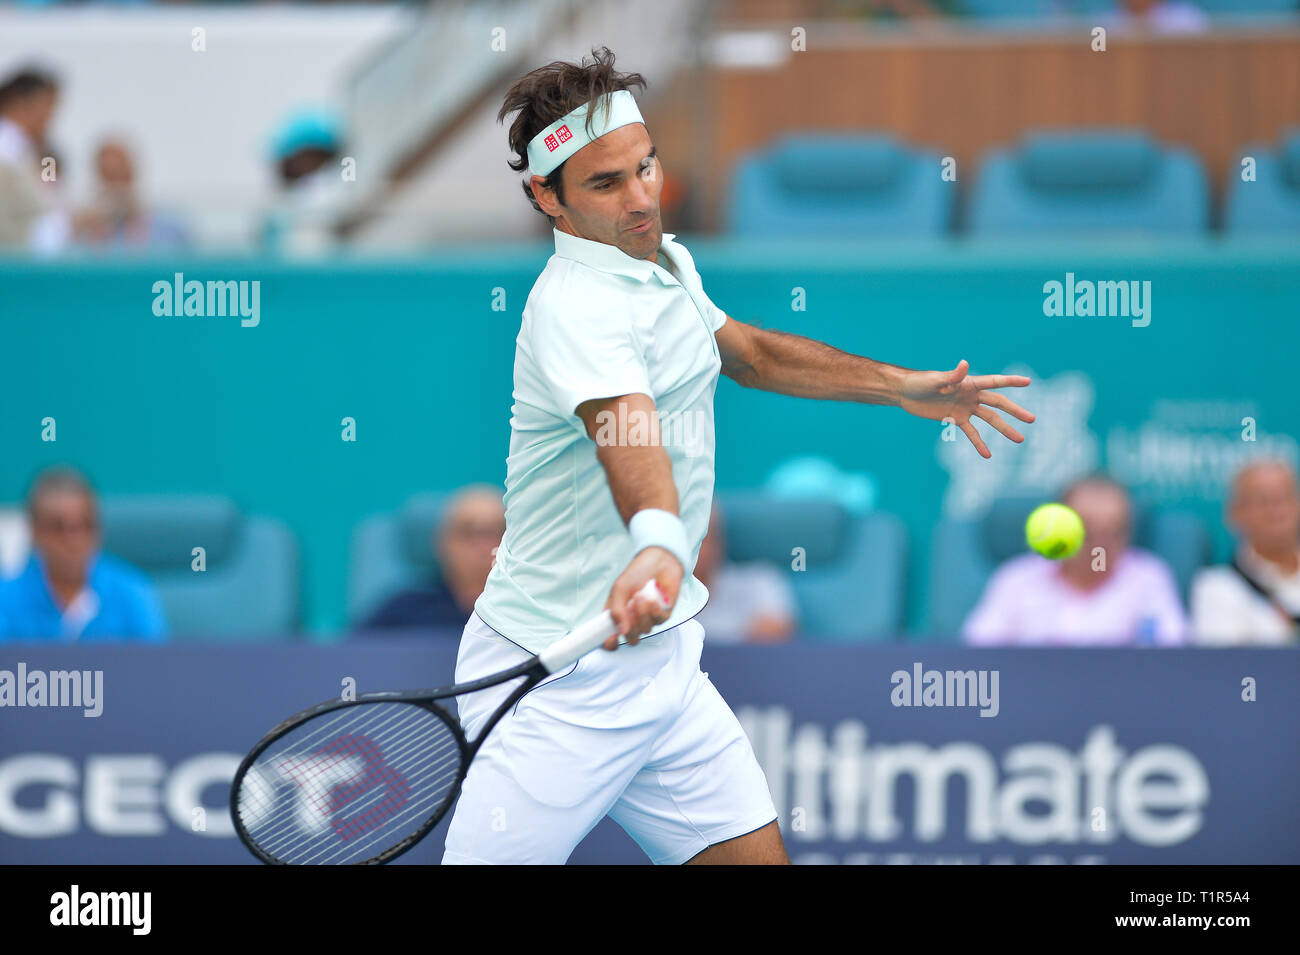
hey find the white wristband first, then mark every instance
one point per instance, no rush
(654, 527)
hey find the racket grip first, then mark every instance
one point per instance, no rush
(588, 636)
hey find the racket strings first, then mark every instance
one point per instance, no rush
(441, 768)
(349, 785)
(365, 792)
(363, 796)
(256, 795)
(259, 804)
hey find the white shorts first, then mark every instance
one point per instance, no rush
(639, 734)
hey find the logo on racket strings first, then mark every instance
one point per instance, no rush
(343, 776)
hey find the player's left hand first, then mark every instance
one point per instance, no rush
(938, 395)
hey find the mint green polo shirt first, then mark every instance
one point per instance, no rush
(599, 323)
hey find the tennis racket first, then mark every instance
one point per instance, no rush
(358, 782)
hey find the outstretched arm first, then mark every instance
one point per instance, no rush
(806, 368)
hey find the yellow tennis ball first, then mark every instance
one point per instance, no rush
(1054, 530)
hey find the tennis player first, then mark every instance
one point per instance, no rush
(609, 482)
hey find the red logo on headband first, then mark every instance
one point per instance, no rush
(561, 135)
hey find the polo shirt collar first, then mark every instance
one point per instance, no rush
(40, 577)
(605, 257)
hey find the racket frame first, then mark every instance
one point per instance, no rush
(566, 650)
(533, 669)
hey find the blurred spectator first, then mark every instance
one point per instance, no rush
(1255, 598)
(117, 217)
(307, 151)
(748, 603)
(1157, 16)
(466, 543)
(30, 215)
(69, 589)
(1122, 596)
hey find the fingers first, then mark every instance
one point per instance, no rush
(953, 379)
(999, 381)
(968, 429)
(995, 419)
(995, 400)
(632, 614)
(612, 643)
(645, 615)
(617, 607)
(646, 606)
(632, 627)
(635, 615)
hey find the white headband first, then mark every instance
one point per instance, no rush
(564, 137)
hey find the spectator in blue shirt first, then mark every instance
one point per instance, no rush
(119, 219)
(69, 589)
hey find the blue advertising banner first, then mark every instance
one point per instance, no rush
(898, 754)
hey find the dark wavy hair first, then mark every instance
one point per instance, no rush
(554, 90)
(26, 82)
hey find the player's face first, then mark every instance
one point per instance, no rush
(611, 192)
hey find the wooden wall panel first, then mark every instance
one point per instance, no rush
(964, 93)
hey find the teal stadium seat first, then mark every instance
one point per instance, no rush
(391, 552)
(250, 588)
(1270, 204)
(842, 185)
(964, 554)
(1090, 182)
(1016, 9)
(852, 589)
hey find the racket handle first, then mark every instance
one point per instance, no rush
(588, 636)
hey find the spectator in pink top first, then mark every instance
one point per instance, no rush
(1108, 594)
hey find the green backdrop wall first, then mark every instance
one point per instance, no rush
(420, 352)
